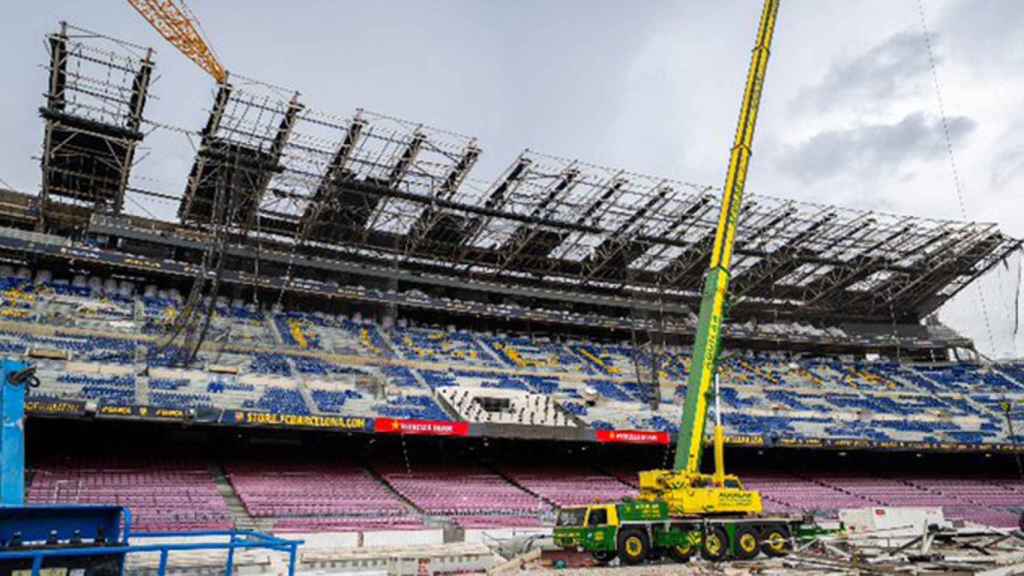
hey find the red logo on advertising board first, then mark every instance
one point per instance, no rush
(421, 427)
(632, 437)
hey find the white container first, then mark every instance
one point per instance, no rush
(899, 523)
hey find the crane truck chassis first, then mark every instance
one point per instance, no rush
(636, 532)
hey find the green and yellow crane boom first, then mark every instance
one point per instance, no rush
(717, 492)
(682, 511)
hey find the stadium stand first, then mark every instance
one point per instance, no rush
(308, 363)
(785, 493)
(340, 496)
(163, 493)
(536, 354)
(565, 486)
(449, 347)
(994, 502)
(413, 407)
(459, 490)
(400, 489)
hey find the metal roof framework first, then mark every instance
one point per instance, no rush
(385, 190)
(402, 192)
(96, 93)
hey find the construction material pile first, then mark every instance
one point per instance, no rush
(974, 551)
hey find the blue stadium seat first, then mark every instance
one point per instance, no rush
(333, 401)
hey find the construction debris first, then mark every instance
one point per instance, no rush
(967, 551)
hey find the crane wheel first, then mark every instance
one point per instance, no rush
(633, 546)
(716, 544)
(603, 557)
(775, 540)
(747, 543)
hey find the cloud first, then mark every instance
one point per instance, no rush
(985, 35)
(873, 149)
(1007, 166)
(896, 67)
(1006, 160)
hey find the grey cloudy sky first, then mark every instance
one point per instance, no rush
(849, 116)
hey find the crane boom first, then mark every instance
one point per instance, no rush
(173, 20)
(690, 443)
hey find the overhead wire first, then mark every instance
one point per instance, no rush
(957, 183)
(1016, 299)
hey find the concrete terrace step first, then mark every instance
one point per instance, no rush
(490, 352)
(409, 503)
(447, 407)
(385, 336)
(418, 377)
(142, 391)
(307, 396)
(239, 515)
(268, 320)
(512, 481)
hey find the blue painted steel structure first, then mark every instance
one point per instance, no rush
(15, 378)
(29, 535)
(39, 537)
(96, 524)
(236, 540)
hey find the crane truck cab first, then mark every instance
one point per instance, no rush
(632, 531)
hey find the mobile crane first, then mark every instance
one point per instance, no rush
(683, 510)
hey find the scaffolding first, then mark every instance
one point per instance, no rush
(95, 98)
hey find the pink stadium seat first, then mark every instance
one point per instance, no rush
(316, 497)
(570, 486)
(462, 490)
(163, 494)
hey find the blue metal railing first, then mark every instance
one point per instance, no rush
(237, 540)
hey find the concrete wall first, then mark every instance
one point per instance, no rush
(403, 537)
(489, 535)
(325, 539)
(366, 539)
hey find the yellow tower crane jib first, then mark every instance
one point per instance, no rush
(175, 22)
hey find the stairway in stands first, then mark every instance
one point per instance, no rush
(142, 391)
(271, 327)
(300, 385)
(488, 351)
(392, 348)
(420, 379)
(446, 406)
(508, 478)
(413, 508)
(239, 515)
